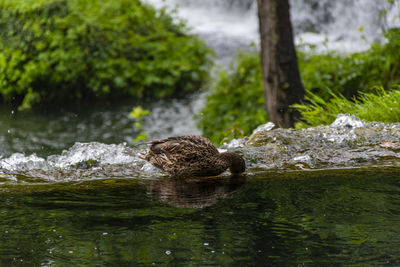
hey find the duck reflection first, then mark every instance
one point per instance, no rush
(194, 192)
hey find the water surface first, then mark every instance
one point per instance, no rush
(310, 218)
(47, 132)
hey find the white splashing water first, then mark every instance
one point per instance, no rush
(347, 142)
(348, 25)
(346, 120)
(102, 153)
(83, 161)
(223, 26)
(20, 162)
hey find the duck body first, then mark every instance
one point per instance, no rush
(191, 155)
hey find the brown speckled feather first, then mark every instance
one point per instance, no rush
(186, 155)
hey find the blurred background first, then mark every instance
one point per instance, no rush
(112, 72)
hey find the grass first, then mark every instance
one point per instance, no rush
(381, 105)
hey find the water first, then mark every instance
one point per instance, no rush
(339, 217)
(347, 25)
(347, 143)
(52, 131)
(324, 195)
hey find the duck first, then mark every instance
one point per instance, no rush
(191, 155)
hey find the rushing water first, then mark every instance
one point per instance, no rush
(347, 142)
(346, 25)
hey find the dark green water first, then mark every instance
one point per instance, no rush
(309, 218)
(49, 132)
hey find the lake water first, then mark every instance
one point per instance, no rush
(308, 218)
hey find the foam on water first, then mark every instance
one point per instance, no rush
(101, 153)
(82, 161)
(347, 120)
(20, 162)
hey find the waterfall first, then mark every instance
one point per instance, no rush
(347, 25)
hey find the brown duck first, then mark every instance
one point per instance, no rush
(191, 155)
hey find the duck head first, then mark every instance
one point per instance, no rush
(236, 163)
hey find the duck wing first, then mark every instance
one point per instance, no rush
(182, 148)
(189, 154)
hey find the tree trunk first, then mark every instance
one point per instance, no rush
(281, 78)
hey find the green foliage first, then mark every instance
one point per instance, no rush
(379, 106)
(335, 82)
(139, 113)
(351, 73)
(235, 105)
(63, 50)
(348, 83)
